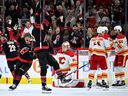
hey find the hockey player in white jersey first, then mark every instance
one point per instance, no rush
(98, 51)
(121, 50)
(106, 36)
(68, 63)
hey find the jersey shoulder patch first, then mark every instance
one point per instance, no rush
(121, 36)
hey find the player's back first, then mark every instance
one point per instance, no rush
(10, 49)
(98, 45)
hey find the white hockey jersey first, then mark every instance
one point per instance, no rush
(68, 63)
(66, 60)
(99, 46)
(120, 45)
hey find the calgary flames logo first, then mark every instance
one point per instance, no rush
(36, 66)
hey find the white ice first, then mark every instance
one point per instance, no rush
(35, 90)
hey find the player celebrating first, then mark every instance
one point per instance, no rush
(106, 37)
(26, 57)
(97, 50)
(41, 47)
(11, 52)
(10, 49)
(67, 63)
(121, 50)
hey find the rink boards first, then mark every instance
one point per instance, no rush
(35, 70)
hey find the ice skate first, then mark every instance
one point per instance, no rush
(122, 83)
(13, 87)
(45, 88)
(104, 84)
(116, 84)
(99, 84)
(89, 84)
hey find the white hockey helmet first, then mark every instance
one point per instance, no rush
(118, 28)
(100, 29)
(65, 46)
(105, 29)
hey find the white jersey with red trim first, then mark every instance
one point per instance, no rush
(67, 63)
(120, 45)
(111, 42)
(65, 60)
(107, 37)
(99, 46)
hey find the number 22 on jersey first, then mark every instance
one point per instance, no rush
(12, 48)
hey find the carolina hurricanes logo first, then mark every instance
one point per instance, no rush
(24, 50)
(62, 60)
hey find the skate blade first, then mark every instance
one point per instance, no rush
(105, 89)
(46, 92)
(99, 87)
(88, 89)
(11, 89)
(120, 87)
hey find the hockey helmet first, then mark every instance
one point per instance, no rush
(100, 29)
(65, 46)
(118, 28)
(105, 29)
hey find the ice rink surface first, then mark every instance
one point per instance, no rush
(35, 90)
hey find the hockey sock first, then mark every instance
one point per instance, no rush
(13, 73)
(122, 76)
(91, 76)
(43, 80)
(104, 76)
(117, 73)
(122, 73)
(117, 76)
(99, 78)
(17, 79)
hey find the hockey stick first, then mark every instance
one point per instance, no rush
(40, 25)
(75, 70)
(41, 19)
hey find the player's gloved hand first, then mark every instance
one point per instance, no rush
(32, 54)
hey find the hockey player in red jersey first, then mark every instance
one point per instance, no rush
(41, 47)
(121, 50)
(10, 49)
(98, 49)
(26, 57)
(68, 64)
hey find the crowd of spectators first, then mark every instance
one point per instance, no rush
(64, 19)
